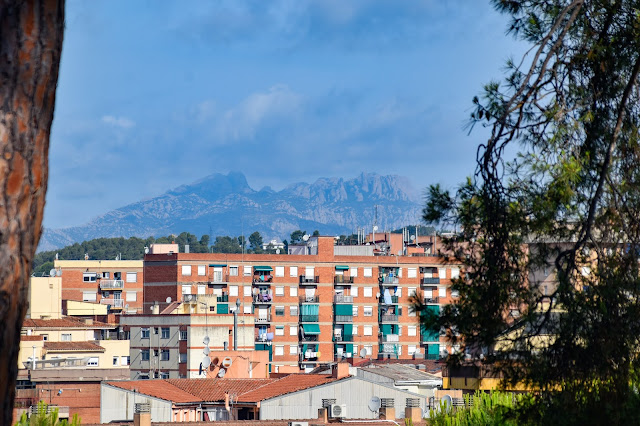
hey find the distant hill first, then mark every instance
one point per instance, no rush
(226, 204)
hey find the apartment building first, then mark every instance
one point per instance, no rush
(116, 284)
(323, 304)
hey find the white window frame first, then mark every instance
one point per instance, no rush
(246, 271)
(367, 272)
(293, 330)
(455, 272)
(354, 291)
(279, 350)
(279, 330)
(293, 271)
(89, 296)
(367, 330)
(412, 272)
(131, 277)
(293, 310)
(367, 311)
(411, 291)
(202, 270)
(442, 292)
(186, 288)
(279, 290)
(354, 310)
(233, 271)
(246, 309)
(293, 349)
(279, 271)
(246, 291)
(202, 289)
(368, 292)
(442, 273)
(131, 296)
(412, 330)
(233, 291)
(186, 270)
(293, 291)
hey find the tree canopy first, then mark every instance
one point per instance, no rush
(567, 202)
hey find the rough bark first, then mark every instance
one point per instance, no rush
(31, 34)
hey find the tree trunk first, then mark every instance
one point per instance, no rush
(30, 45)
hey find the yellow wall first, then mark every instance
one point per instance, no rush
(119, 348)
(85, 308)
(45, 294)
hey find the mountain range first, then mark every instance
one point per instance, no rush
(227, 205)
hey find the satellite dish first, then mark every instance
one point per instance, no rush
(363, 353)
(375, 228)
(446, 401)
(206, 350)
(305, 237)
(277, 251)
(146, 250)
(413, 237)
(206, 340)
(59, 273)
(374, 404)
(206, 362)
(52, 273)
(215, 360)
(168, 300)
(226, 363)
(222, 372)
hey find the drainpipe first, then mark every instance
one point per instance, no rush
(235, 325)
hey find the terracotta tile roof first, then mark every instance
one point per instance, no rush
(214, 389)
(157, 388)
(73, 346)
(285, 385)
(65, 322)
(31, 338)
(171, 307)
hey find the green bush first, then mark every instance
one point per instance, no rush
(42, 418)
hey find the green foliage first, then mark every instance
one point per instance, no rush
(296, 236)
(42, 418)
(316, 233)
(488, 409)
(255, 240)
(422, 230)
(350, 240)
(564, 199)
(226, 245)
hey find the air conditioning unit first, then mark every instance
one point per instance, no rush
(337, 410)
(298, 423)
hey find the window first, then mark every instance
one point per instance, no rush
(279, 311)
(293, 330)
(293, 291)
(279, 330)
(279, 291)
(367, 330)
(368, 292)
(309, 272)
(353, 272)
(442, 292)
(411, 350)
(105, 275)
(411, 312)
(247, 271)
(131, 296)
(355, 311)
(246, 291)
(45, 337)
(442, 273)
(233, 271)
(456, 293)
(411, 291)
(165, 332)
(164, 374)
(455, 273)
(355, 329)
(279, 271)
(202, 270)
(156, 330)
(294, 311)
(66, 337)
(354, 291)
(183, 358)
(368, 349)
(368, 311)
(125, 360)
(247, 309)
(399, 292)
(293, 349)
(412, 330)
(144, 333)
(116, 361)
(164, 355)
(132, 277)
(186, 289)
(183, 335)
(89, 277)
(186, 269)
(279, 350)
(293, 271)
(412, 273)
(93, 362)
(202, 289)
(156, 352)
(233, 290)
(367, 272)
(89, 296)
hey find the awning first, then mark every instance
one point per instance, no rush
(263, 268)
(217, 265)
(311, 329)
(344, 310)
(342, 267)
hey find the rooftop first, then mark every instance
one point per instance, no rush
(401, 372)
(65, 322)
(73, 346)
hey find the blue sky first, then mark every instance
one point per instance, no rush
(155, 94)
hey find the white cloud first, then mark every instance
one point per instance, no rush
(122, 122)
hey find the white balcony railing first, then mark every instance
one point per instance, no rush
(115, 303)
(111, 284)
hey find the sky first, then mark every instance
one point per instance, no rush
(155, 94)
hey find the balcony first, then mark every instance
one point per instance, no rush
(311, 355)
(114, 303)
(394, 300)
(388, 349)
(341, 298)
(343, 318)
(426, 280)
(263, 297)
(388, 318)
(309, 280)
(428, 300)
(341, 279)
(309, 299)
(343, 338)
(263, 319)
(262, 279)
(390, 338)
(63, 412)
(388, 280)
(223, 299)
(111, 284)
(309, 338)
(308, 318)
(263, 337)
(219, 279)
(343, 355)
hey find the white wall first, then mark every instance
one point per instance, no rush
(118, 404)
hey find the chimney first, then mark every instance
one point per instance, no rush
(142, 414)
(186, 248)
(340, 370)
(156, 309)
